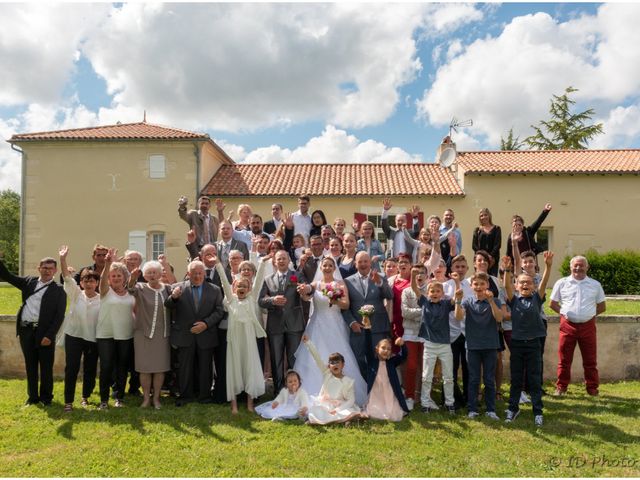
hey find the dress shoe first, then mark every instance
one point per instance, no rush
(206, 400)
(181, 402)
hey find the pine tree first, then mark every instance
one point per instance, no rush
(510, 143)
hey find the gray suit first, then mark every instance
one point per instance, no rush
(196, 221)
(392, 233)
(190, 345)
(285, 324)
(380, 326)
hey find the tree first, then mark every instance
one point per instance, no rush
(565, 130)
(10, 228)
(510, 143)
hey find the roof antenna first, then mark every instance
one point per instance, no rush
(144, 119)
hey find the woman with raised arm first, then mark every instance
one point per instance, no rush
(114, 331)
(79, 330)
(488, 237)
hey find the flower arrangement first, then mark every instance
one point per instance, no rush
(366, 310)
(333, 291)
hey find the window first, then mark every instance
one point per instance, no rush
(157, 166)
(157, 245)
(543, 238)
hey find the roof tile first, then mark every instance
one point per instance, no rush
(551, 161)
(332, 179)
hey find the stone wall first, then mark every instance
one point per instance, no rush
(618, 350)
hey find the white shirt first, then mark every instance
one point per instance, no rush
(578, 298)
(31, 310)
(82, 317)
(115, 319)
(302, 225)
(456, 327)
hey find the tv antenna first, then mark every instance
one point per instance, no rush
(455, 124)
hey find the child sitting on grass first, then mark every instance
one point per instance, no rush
(482, 314)
(292, 402)
(386, 401)
(528, 330)
(336, 402)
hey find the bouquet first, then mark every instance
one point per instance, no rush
(333, 292)
(366, 310)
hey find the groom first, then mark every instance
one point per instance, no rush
(280, 295)
(366, 287)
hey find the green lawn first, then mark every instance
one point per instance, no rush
(582, 436)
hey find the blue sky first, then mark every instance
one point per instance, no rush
(318, 82)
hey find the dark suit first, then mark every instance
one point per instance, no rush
(392, 233)
(380, 326)
(192, 347)
(285, 324)
(270, 226)
(36, 357)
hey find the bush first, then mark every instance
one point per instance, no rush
(618, 270)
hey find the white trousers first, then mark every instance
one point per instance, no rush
(433, 352)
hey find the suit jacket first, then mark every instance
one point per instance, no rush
(269, 227)
(186, 313)
(310, 268)
(373, 364)
(235, 245)
(287, 318)
(375, 296)
(52, 307)
(391, 233)
(195, 220)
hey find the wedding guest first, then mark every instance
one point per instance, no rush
(318, 219)
(151, 330)
(301, 218)
(98, 255)
(114, 331)
(527, 235)
(339, 225)
(395, 235)
(369, 244)
(80, 332)
(37, 323)
(201, 220)
(273, 225)
(448, 225)
(228, 243)
(488, 237)
(244, 217)
(347, 262)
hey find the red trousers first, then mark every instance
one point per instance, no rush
(584, 334)
(411, 373)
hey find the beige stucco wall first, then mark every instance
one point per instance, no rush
(618, 350)
(82, 193)
(596, 211)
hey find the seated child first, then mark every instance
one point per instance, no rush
(528, 331)
(336, 402)
(386, 401)
(292, 402)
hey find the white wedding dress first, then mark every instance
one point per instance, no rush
(329, 333)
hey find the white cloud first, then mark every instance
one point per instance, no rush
(332, 146)
(507, 81)
(621, 128)
(39, 45)
(244, 66)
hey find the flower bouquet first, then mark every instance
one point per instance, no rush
(333, 291)
(366, 311)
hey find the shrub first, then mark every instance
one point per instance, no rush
(618, 270)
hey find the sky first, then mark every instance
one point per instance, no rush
(318, 82)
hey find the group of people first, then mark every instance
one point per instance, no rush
(345, 328)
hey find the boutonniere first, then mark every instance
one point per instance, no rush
(293, 280)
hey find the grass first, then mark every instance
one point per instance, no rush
(10, 302)
(582, 436)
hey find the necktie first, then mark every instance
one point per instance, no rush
(206, 237)
(363, 284)
(196, 295)
(282, 279)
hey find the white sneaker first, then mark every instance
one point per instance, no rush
(511, 416)
(524, 398)
(538, 420)
(410, 403)
(492, 415)
(473, 414)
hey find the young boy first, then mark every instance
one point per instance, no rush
(482, 314)
(457, 338)
(435, 332)
(528, 330)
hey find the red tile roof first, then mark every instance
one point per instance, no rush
(332, 179)
(551, 161)
(123, 131)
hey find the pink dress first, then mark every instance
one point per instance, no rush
(383, 404)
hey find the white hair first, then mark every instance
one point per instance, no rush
(579, 257)
(151, 264)
(194, 264)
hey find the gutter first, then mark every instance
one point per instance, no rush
(197, 150)
(23, 205)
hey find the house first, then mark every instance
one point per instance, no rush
(119, 185)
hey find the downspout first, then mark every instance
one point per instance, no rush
(196, 152)
(23, 203)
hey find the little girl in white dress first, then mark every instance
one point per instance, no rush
(336, 402)
(292, 402)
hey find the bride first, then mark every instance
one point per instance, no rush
(328, 333)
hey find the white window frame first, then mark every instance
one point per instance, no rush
(157, 244)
